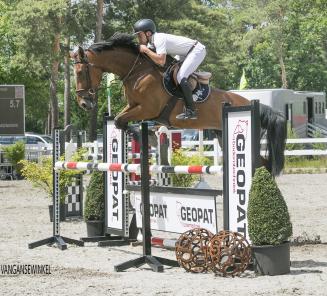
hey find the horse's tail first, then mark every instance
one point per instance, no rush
(274, 123)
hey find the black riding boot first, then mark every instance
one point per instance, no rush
(190, 112)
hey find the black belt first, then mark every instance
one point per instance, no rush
(192, 47)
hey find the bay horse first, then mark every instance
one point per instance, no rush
(147, 97)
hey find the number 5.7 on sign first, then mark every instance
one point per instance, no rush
(14, 103)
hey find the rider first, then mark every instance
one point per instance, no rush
(191, 52)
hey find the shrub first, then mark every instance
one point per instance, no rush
(15, 153)
(268, 217)
(40, 174)
(181, 158)
(94, 203)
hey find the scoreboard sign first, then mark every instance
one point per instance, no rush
(12, 110)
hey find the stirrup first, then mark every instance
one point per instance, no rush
(188, 114)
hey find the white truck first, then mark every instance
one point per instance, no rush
(305, 110)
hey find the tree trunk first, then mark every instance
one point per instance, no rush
(282, 68)
(49, 131)
(98, 33)
(54, 81)
(67, 86)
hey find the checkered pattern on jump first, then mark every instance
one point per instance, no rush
(164, 179)
(73, 199)
(136, 168)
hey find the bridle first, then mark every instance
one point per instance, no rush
(89, 90)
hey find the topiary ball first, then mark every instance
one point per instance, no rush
(229, 253)
(192, 250)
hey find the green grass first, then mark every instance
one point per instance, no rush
(304, 162)
(318, 162)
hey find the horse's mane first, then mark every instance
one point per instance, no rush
(116, 40)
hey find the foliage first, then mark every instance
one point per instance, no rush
(180, 157)
(94, 205)
(40, 174)
(307, 164)
(15, 153)
(318, 146)
(268, 217)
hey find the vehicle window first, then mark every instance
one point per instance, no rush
(190, 135)
(33, 140)
(20, 138)
(6, 140)
(47, 139)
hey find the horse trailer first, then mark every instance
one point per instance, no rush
(305, 111)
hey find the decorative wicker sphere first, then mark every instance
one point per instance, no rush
(192, 250)
(229, 253)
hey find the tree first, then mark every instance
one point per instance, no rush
(36, 29)
(97, 38)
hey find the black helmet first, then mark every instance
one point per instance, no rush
(144, 25)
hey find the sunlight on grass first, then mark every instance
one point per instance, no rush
(306, 162)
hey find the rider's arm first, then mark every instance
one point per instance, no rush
(157, 58)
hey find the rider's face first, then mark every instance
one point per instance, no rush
(142, 38)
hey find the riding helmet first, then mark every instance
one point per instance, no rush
(144, 25)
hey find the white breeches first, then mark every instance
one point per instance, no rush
(192, 62)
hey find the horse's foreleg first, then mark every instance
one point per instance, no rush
(119, 122)
(135, 113)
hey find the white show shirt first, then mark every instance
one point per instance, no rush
(171, 44)
(179, 47)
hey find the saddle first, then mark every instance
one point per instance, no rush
(199, 82)
(194, 79)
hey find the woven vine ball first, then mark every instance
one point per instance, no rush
(230, 253)
(192, 250)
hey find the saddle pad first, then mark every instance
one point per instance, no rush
(200, 93)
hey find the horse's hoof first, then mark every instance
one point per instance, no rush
(120, 125)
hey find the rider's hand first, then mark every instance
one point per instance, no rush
(144, 48)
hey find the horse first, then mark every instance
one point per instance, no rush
(147, 98)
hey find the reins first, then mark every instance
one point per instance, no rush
(125, 78)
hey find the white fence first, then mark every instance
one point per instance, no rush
(300, 152)
(200, 147)
(211, 148)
